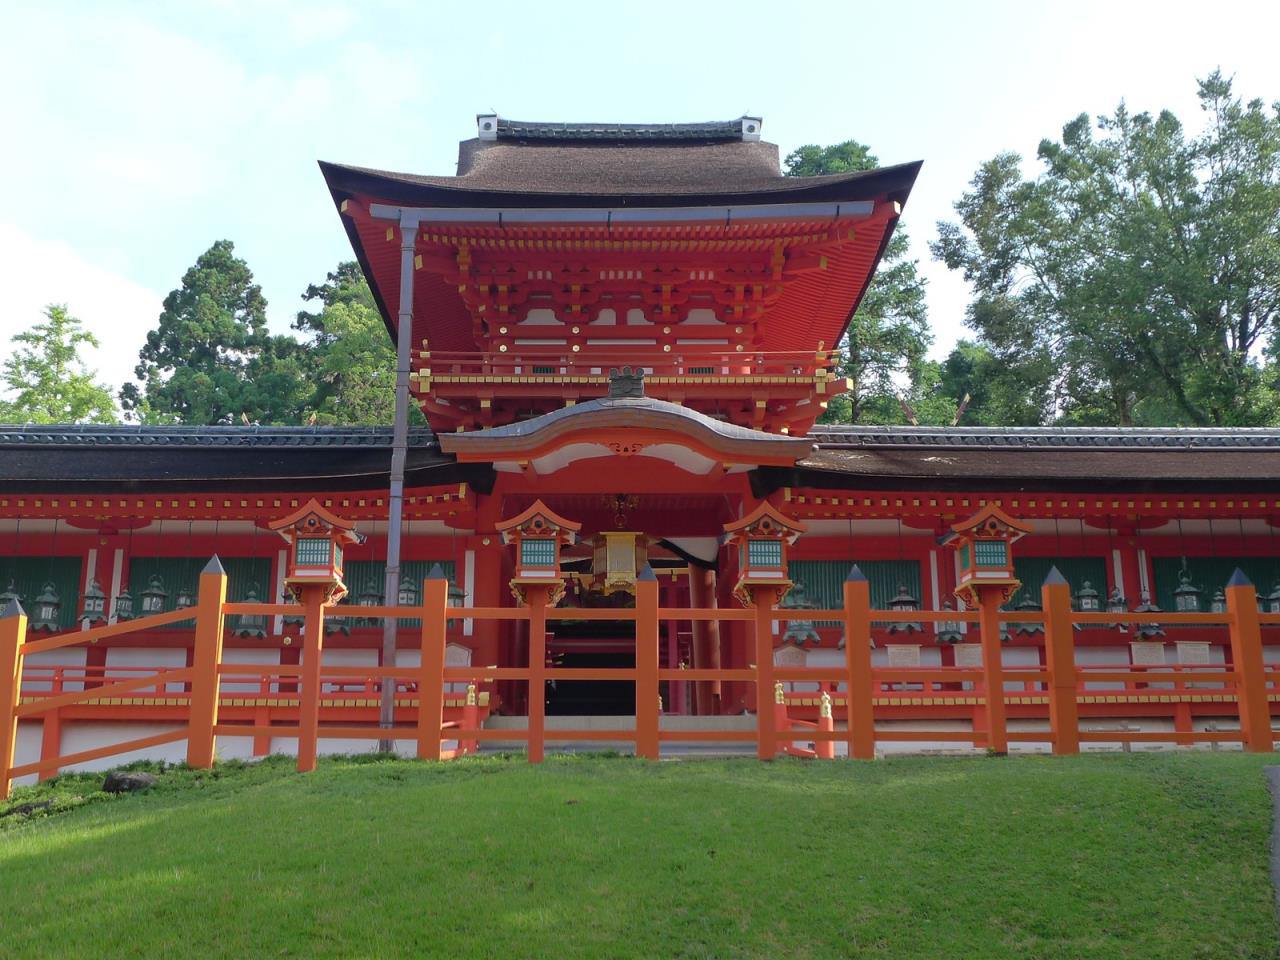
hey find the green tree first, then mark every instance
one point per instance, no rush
(210, 358)
(49, 380)
(999, 394)
(1140, 270)
(883, 352)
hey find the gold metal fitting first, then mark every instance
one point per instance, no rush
(824, 705)
(778, 695)
(472, 698)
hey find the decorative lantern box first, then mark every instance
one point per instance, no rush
(762, 539)
(93, 608)
(538, 535)
(983, 543)
(47, 610)
(316, 538)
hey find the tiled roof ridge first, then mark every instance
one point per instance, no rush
(541, 130)
(142, 435)
(838, 435)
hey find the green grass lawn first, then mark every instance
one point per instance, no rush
(1144, 855)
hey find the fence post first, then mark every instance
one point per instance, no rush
(989, 599)
(1060, 657)
(857, 662)
(766, 722)
(13, 634)
(536, 598)
(205, 657)
(435, 601)
(1246, 654)
(647, 713)
(313, 598)
(470, 718)
(825, 749)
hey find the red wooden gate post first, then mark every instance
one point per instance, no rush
(536, 597)
(13, 634)
(763, 599)
(989, 600)
(1060, 658)
(435, 600)
(857, 662)
(313, 599)
(205, 657)
(1246, 657)
(647, 711)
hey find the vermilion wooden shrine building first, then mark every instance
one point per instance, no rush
(628, 332)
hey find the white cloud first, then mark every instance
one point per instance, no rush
(116, 310)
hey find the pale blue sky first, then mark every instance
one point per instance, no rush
(137, 134)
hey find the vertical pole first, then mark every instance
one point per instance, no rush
(825, 749)
(1246, 656)
(309, 698)
(766, 721)
(647, 665)
(1060, 660)
(13, 634)
(205, 657)
(395, 495)
(857, 662)
(435, 601)
(700, 598)
(536, 598)
(470, 720)
(993, 668)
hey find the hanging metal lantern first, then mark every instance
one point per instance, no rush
(369, 596)
(407, 595)
(1148, 629)
(1186, 598)
(186, 599)
(154, 597)
(1088, 600)
(252, 624)
(1029, 627)
(1273, 599)
(10, 595)
(93, 607)
(1117, 604)
(124, 604)
(949, 630)
(47, 610)
(1219, 602)
(904, 602)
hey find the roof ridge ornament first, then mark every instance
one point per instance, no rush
(626, 383)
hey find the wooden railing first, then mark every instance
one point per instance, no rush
(857, 689)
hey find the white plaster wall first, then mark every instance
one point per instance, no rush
(1106, 657)
(27, 748)
(66, 657)
(77, 737)
(159, 659)
(248, 655)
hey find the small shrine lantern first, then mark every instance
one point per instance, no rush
(93, 608)
(47, 610)
(983, 543)
(538, 535)
(949, 631)
(762, 538)
(316, 538)
(124, 604)
(185, 600)
(1273, 600)
(904, 601)
(154, 597)
(252, 624)
(1088, 600)
(1186, 598)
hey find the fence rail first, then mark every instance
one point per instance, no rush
(852, 691)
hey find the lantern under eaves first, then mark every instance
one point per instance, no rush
(983, 545)
(538, 534)
(762, 538)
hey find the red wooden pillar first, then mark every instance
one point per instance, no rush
(763, 599)
(313, 597)
(13, 634)
(206, 655)
(989, 601)
(1060, 657)
(647, 713)
(857, 662)
(536, 598)
(435, 602)
(1246, 654)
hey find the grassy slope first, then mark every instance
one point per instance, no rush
(1155, 855)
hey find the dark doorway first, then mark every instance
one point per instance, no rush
(602, 698)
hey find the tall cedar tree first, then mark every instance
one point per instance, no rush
(884, 350)
(210, 358)
(47, 376)
(1139, 273)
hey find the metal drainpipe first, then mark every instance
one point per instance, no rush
(399, 448)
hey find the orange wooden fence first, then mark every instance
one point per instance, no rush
(856, 689)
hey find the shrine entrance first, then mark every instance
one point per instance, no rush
(585, 698)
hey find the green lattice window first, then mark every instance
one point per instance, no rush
(764, 553)
(990, 553)
(824, 581)
(1032, 571)
(1209, 574)
(30, 574)
(179, 574)
(312, 551)
(369, 577)
(538, 552)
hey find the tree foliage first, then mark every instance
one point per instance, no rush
(1138, 275)
(884, 350)
(48, 378)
